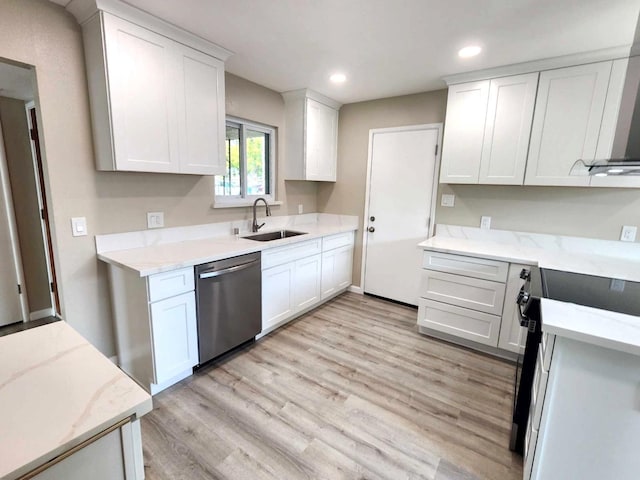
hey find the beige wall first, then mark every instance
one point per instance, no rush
(22, 177)
(347, 195)
(582, 212)
(39, 33)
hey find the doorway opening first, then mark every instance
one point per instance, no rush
(28, 286)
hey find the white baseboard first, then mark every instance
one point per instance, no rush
(47, 312)
(356, 289)
(114, 359)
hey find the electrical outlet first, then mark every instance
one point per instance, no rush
(448, 200)
(78, 226)
(628, 233)
(155, 219)
(485, 223)
(300, 209)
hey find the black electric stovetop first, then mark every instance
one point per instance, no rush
(598, 292)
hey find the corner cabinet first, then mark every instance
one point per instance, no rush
(311, 137)
(157, 105)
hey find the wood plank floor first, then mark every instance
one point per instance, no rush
(349, 391)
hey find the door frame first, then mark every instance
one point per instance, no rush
(434, 195)
(45, 228)
(5, 191)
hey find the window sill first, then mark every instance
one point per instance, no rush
(241, 203)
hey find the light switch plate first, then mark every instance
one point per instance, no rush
(155, 219)
(628, 233)
(78, 226)
(300, 209)
(485, 223)
(448, 200)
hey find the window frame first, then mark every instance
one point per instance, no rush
(244, 199)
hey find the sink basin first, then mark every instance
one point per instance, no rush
(268, 236)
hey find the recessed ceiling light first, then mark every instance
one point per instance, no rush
(601, 174)
(615, 170)
(470, 51)
(338, 78)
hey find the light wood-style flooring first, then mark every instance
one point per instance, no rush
(348, 391)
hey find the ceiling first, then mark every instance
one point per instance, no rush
(16, 82)
(392, 47)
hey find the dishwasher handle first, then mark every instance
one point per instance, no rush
(235, 268)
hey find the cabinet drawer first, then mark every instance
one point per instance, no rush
(473, 293)
(468, 266)
(337, 240)
(168, 284)
(460, 322)
(289, 253)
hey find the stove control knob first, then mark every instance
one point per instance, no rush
(525, 274)
(523, 297)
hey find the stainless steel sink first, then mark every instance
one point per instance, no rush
(268, 236)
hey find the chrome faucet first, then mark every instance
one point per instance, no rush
(255, 227)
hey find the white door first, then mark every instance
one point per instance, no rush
(401, 190)
(11, 309)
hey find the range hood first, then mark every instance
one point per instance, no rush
(625, 153)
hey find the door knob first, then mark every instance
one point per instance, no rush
(371, 229)
(373, 219)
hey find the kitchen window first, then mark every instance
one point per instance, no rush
(250, 154)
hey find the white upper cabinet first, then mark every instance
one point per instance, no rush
(157, 105)
(566, 124)
(464, 132)
(486, 134)
(311, 139)
(507, 129)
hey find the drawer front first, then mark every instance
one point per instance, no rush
(460, 322)
(289, 253)
(169, 284)
(546, 347)
(468, 266)
(473, 293)
(337, 240)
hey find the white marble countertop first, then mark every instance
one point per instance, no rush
(613, 330)
(571, 254)
(56, 391)
(161, 257)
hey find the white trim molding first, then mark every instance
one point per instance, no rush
(38, 314)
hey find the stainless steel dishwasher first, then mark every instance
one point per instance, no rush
(229, 304)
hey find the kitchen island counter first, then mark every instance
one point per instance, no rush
(56, 392)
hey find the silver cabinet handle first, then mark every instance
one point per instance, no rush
(217, 273)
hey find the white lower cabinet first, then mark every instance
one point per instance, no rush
(458, 300)
(336, 270)
(277, 294)
(156, 326)
(175, 336)
(306, 287)
(297, 277)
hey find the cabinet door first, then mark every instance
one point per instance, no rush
(507, 129)
(277, 294)
(174, 336)
(306, 290)
(464, 132)
(327, 283)
(141, 70)
(513, 337)
(566, 122)
(321, 141)
(201, 112)
(336, 270)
